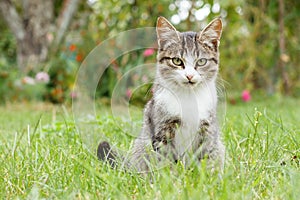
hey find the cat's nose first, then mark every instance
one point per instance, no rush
(189, 77)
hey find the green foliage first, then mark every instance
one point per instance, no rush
(62, 73)
(7, 62)
(15, 87)
(127, 63)
(7, 48)
(250, 53)
(6, 83)
(111, 17)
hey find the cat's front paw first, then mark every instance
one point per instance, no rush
(203, 127)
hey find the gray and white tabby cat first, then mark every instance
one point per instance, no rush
(180, 122)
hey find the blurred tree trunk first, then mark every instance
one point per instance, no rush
(32, 29)
(64, 19)
(283, 58)
(33, 47)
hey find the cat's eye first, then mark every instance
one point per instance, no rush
(201, 62)
(177, 61)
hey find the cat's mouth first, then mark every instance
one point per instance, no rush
(190, 83)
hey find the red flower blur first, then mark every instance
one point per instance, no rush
(72, 47)
(79, 57)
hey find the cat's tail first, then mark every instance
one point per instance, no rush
(106, 154)
(136, 160)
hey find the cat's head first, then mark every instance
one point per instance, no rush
(187, 59)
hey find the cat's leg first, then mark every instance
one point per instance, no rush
(163, 139)
(211, 147)
(215, 153)
(139, 156)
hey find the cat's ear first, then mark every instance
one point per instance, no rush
(165, 32)
(211, 34)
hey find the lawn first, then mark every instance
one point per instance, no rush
(43, 155)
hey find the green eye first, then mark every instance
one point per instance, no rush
(177, 61)
(201, 62)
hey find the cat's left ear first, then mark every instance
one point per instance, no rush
(211, 34)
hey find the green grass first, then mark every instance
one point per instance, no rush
(52, 159)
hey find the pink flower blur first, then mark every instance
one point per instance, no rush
(128, 93)
(73, 95)
(148, 52)
(246, 96)
(42, 77)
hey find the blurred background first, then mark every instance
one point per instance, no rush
(42, 44)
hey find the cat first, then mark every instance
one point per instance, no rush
(180, 120)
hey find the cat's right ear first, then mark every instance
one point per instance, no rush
(211, 34)
(165, 32)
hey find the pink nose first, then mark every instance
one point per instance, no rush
(189, 77)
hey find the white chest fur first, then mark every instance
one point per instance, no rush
(191, 107)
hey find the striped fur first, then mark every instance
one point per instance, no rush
(180, 122)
